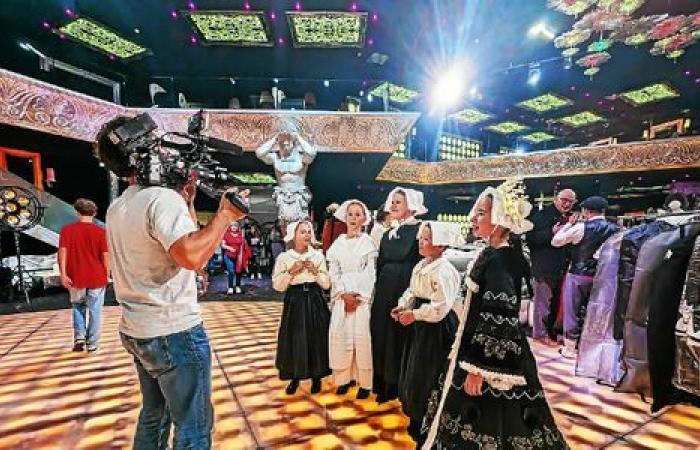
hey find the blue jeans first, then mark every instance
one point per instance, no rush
(84, 300)
(234, 279)
(175, 377)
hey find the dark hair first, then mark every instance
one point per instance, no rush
(109, 153)
(676, 196)
(85, 207)
(381, 213)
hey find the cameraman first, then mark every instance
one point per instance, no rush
(155, 248)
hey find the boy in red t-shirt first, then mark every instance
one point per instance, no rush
(82, 261)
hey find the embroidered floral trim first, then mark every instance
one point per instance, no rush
(511, 302)
(496, 347)
(511, 395)
(499, 319)
(497, 380)
(544, 437)
(467, 433)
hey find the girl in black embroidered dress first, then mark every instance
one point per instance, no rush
(494, 398)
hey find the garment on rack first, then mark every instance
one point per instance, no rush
(632, 242)
(663, 314)
(687, 368)
(599, 352)
(635, 360)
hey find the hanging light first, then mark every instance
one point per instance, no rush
(19, 209)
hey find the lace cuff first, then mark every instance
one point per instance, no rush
(500, 381)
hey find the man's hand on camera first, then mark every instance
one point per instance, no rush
(228, 209)
(189, 192)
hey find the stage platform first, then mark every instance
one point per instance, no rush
(52, 398)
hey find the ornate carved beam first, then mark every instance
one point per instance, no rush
(628, 157)
(29, 103)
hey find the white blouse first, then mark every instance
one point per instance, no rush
(437, 281)
(282, 279)
(351, 263)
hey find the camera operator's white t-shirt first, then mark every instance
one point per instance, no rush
(157, 296)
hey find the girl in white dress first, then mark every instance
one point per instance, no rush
(351, 263)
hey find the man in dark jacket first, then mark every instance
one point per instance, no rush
(548, 264)
(587, 237)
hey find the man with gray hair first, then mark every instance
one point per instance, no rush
(548, 264)
(83, 264)
(290, 155)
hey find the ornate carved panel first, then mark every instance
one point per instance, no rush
(628, 157)
(29, 103)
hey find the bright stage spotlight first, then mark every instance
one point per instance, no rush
(448, 89)
(540, 30)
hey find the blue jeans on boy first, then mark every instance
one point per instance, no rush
(175, 377)
(87, 327)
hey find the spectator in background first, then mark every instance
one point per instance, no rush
(587, 237)
(332, 227)
(236, 256)
(548, 265)
(83, 264)
(380, 226)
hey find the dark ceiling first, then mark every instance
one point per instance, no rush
(421, 38)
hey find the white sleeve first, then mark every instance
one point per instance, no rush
(569, 234)
(445, 285)
(308, 151)
(169, 218)
(337, 286)
(265, 153)
(323, 278)
(280, 277)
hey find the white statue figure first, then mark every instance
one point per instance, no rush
(291, 155)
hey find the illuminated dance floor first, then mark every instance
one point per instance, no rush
(52, 398)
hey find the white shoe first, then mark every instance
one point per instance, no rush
(229, 291)
(568, 351)
(259, 276)
(239, 290)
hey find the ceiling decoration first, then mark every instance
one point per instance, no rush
(471, 116)
(545, 102)
(50, 109)
(570, 7)
(680, 153)
(538, 136)
(327, 28)
(649, 94)
(508, 127)
(581, 119)
(101, 38)
(395, 93)
(593, 61)
(240, 28)
(611, 21)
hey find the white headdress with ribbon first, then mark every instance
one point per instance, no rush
(444, 233)
(342, 211)
(414, 200)
(292, 230)
(509, 207)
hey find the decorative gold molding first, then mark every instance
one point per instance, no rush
(29, 103)
(675, 153)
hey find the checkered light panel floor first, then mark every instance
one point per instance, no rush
(51, 398)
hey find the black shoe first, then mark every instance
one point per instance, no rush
(316, 386)
(362, 393)
(292, 387)
(382, 398)
(342, 390)
(79, 346)
(92, 349)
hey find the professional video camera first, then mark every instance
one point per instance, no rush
(170, 160)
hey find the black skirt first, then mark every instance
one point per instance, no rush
(302, 341)
(514, 419)
(425, 354)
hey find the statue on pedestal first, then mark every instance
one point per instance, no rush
(290, 155)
